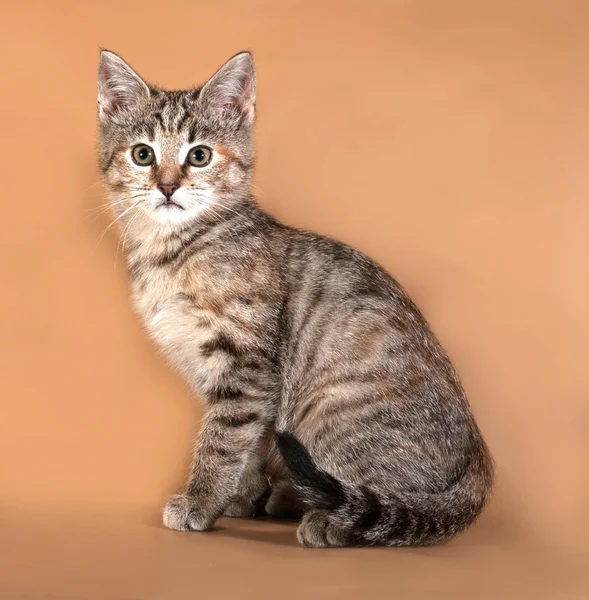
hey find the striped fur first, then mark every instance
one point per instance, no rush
(326, 392)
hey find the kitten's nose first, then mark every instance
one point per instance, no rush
(167, 189)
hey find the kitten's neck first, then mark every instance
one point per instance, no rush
(149, 244)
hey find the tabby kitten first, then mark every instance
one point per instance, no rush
(326, 393)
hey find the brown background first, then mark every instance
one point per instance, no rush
(447, 139)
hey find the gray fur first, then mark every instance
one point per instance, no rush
(291, 339)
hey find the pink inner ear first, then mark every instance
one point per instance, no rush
(235, 107)
(119, 86)
(113, 101)
(231, 89)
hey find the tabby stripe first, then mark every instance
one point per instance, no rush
(187, 248)
(309, 407)
(358, 377)
(316, 297)
(220, 343)
(170, 257)
(237, 420)
(215, 451)
(402, 522)
(371, 511)
(181, 122)
(227, 392)
(109, 162)
(192, 134)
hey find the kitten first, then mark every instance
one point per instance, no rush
(326, 393)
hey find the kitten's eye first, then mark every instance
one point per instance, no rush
(200, 156)
(143, 155)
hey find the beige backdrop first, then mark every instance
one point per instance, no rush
(447, 139)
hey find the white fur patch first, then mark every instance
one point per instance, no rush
(179, 331)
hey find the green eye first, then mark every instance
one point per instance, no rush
(143, 155)
(199, 156)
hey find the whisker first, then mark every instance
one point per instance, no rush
(220, 220)
(138, 189)
(121, 187)
(210, 208)
(113, 222)
(105, 207)
(93, 185)
(123, 237)
(215, 202)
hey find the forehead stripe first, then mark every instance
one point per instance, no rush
(183, 120)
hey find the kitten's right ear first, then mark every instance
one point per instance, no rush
(119, 87)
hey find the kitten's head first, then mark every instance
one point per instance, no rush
(171, 157)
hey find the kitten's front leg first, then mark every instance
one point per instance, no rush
(233, 428)
(253, 490)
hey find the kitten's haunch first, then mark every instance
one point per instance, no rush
(326, 393)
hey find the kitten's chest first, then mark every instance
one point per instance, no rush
(155, 297)
(175, 322)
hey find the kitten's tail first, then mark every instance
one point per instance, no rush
(360, 516)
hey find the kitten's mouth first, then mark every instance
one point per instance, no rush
(169, 205)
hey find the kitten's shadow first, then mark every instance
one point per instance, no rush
(284, 537)
(266, 531)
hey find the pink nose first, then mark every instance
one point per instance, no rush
(167, 189)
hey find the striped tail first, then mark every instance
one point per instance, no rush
(353, 515)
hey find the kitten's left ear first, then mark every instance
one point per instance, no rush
(232, 89)
(119, 87)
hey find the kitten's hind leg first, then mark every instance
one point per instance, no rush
(284, 502)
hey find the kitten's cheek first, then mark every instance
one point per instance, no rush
(182, 513)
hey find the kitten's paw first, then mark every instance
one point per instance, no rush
(183, 514)
(315, 531)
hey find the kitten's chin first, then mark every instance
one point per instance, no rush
(169, 205)
(173, 213)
